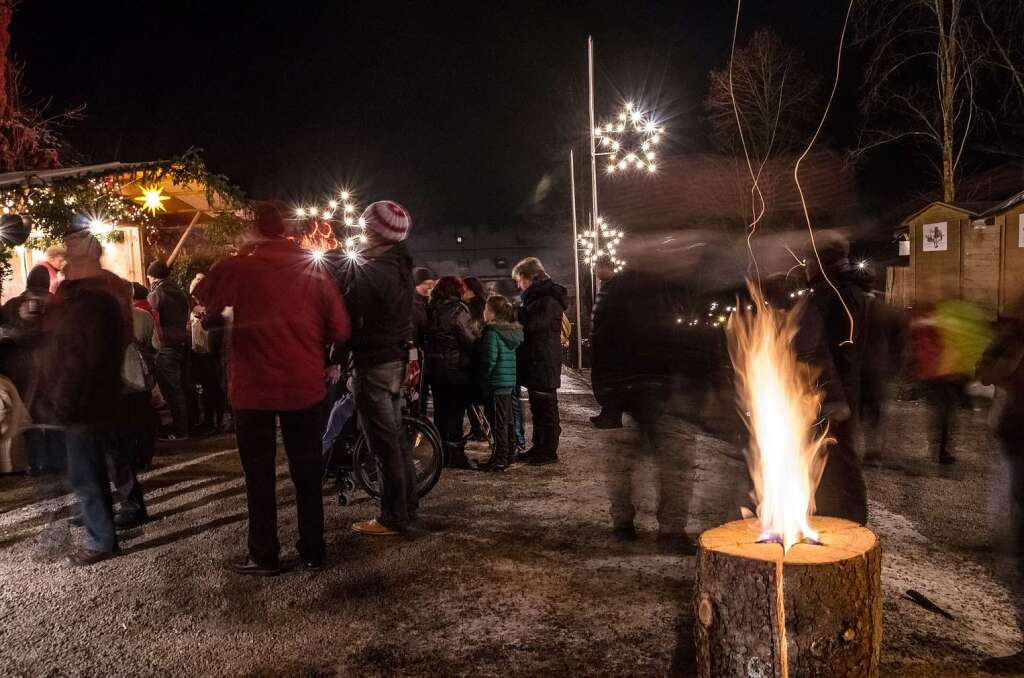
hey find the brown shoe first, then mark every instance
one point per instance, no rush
(85, 557)
(373, 528)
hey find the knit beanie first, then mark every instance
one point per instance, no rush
(388, 219)
(421, 275)
(267, 220)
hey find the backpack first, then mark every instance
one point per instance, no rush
(566, 331)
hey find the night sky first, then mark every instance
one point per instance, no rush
(457, 110)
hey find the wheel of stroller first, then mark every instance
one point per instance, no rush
(427, 457)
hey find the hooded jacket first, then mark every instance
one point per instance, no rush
(378, 292)
(498, 357)
(286, 313)
(450, 339)
(540, 356)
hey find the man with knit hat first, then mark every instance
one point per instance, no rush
(287, 311)
(378, 289)
(171, 304)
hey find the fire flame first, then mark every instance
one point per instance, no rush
(779, 400)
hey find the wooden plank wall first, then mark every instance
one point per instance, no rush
(1012, 265)
(980, 264)
(936, 274)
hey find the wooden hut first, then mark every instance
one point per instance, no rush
(973, 252)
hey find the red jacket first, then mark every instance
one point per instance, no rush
(286, 313)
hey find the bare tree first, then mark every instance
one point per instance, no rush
(775, 99)
(30, 137)
(938, 72)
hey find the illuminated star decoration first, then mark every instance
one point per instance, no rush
(340, 212)
(152, 199)
(629, 141)
(610, 239)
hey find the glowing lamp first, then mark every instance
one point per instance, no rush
(152, 199)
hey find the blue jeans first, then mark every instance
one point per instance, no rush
(517, 418)
(341, 412)
(87, 473)
(378, 395)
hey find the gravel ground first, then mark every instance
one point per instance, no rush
(509, 575)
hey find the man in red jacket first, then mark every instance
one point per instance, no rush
(286, 313)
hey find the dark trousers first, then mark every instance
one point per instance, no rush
(170, 375)
(256, 432)
(122, 452)
(499, 412)
(378, 396)
(944, 398)
(1014, 450)
(842, 492)
(87, 473)
(646, 444)
(546, 424)
(517, 417)
(450, 404)
(207, 374)
(47, 449)
(143, 425)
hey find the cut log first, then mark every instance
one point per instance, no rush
(814, 611)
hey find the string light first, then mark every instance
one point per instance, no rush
(633, 137)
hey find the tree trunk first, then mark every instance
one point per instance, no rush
(815, 611)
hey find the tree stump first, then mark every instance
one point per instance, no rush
(814, 611)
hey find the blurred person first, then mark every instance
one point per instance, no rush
(140, 300)
(378, 288)
(539, 361)
(450, 341)
(475, 297)
(145, 420)
(424, 282)
(88, 330)
(21, 341)
(884, 339)
(501, 337)
(822, 341)
(53, 265)
(277, 376)
(655, 359)
(602, 345)
(947, 340)
(171, 303)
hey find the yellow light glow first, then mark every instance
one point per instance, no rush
(152, 199)
(99, 227)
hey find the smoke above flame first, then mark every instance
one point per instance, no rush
(779, 401)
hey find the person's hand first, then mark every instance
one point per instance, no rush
(199, 311)
(332, 375)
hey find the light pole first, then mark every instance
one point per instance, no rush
(576, 261)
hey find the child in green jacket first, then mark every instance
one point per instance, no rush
(502, 335)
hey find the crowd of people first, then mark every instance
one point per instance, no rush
(93, 357)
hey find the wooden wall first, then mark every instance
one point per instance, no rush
(936, 275)
(1012, 264)
(980, 263)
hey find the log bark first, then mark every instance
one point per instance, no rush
(814, 611)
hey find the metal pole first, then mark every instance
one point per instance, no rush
(593, 163)
(576, 261)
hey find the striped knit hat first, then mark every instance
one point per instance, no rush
(388, 219)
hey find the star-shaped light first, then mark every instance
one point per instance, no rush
(152, 199)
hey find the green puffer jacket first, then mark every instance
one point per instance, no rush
(498, 357)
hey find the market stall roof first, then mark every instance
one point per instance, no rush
(182, 199)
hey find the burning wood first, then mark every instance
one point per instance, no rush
(785, 594)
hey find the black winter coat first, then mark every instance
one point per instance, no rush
(171, 303)
(539, 359)
(420, 317)
(378, 294)
(450, 341)
(86, 335)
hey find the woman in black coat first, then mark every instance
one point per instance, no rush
(449, 343)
